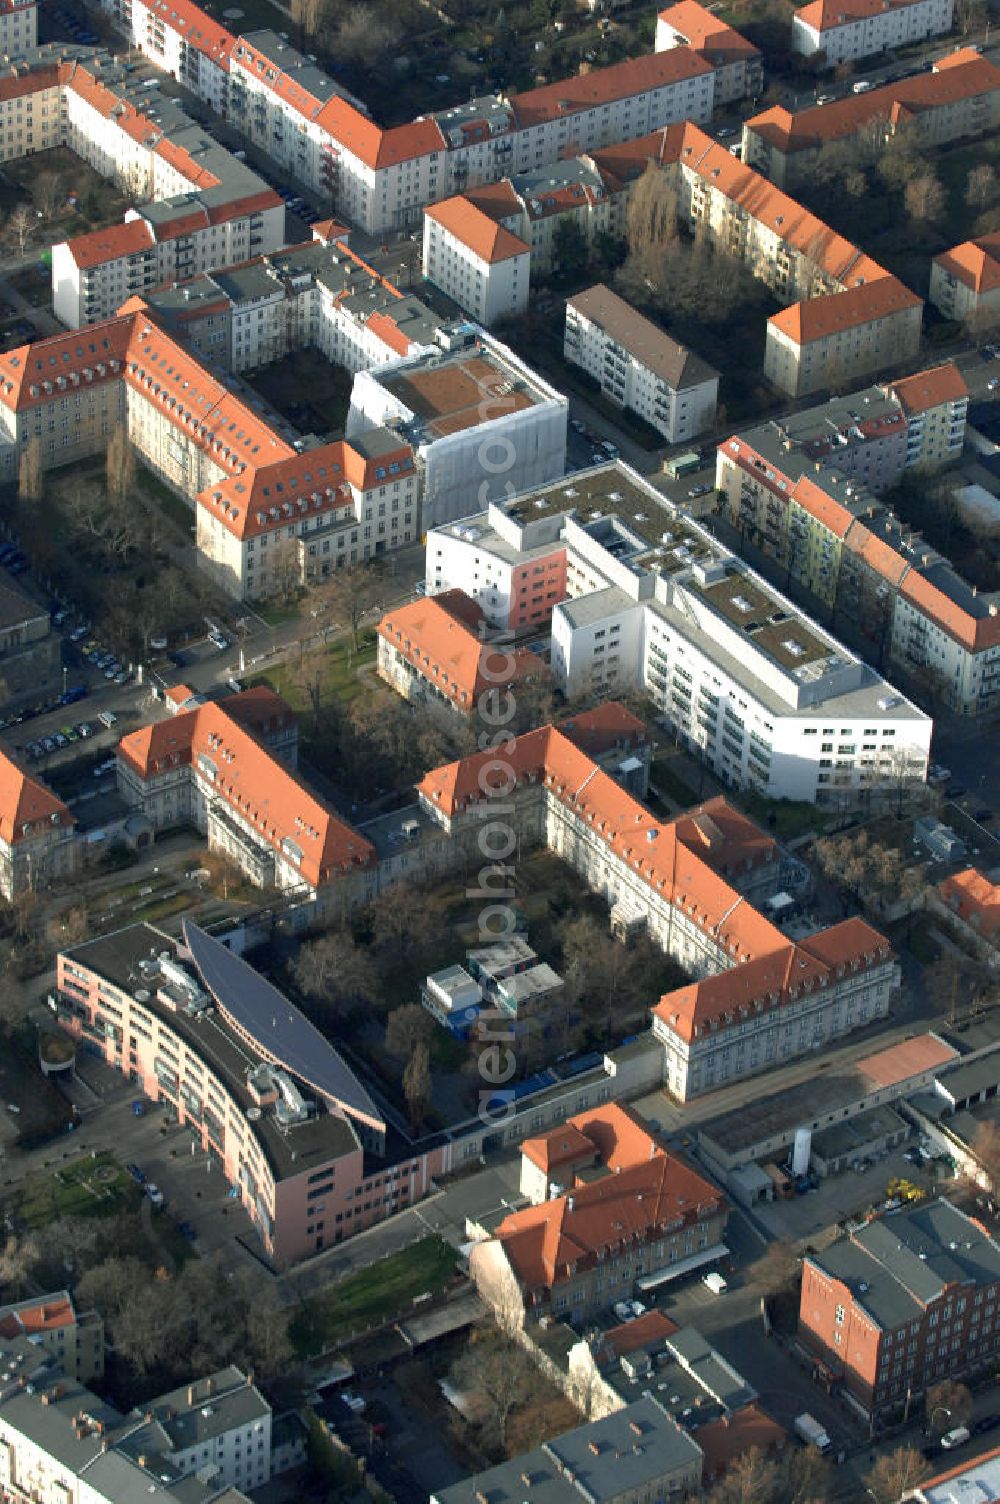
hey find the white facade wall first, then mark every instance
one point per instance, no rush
(677, 413)
(896, 26)
(18, 28)
(486, 290)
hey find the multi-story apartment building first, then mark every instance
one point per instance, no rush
(631, 1457)
(61, 1444)
(846, 316)
(846, 29)
(204, 768)
(899, 1305)
(382, 178)
(965, 282)
(600, 1229)
(739, 67)
(37, 844)
(758, 998)
(75, 1340)
(18, 27)
(827, 530)
(974, 1477)
(480, 422)
(959, 97)
(199, 205)
(481, 265)
(435, 650)
(639, 366)
(970, 901)
(642, 597)
(183, 40)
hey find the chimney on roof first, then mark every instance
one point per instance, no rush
(570, 1203)
(190, 1394)
(975, 590)
(818, 466)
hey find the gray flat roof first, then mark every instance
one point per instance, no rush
(280, 1031)
(324, 1137)
(623, 1453)
(968, 1080)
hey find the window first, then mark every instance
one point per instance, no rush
(839, 1315)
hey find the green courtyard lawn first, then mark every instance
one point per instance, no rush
(94, 1186)
(384, 1291)
(339, 679)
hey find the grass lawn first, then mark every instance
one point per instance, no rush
(790, 817)
(372, 1296)
(922, 947)
(89, 1187)
(340, 682)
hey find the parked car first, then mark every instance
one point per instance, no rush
(956, 1437)
(187, 1230)
(139, 1176)
(699, 490)
(985, 1423)
(154, 1193)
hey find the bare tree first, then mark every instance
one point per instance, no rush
(307, 17)
(364, 37)
(751, 1478)
(30, 474)
(651, 217)
(48, 192)
(17, 1258)
(350, 593)
(946, 1405)
(417, 1083)
(405, 1028)
(496, 1372)
(805, 1476)
(894, 1474)
(981, 186)
(925, 198)
(970, 15)
(334, 973)
(986, 1149)
(120, 464)
(21, 224)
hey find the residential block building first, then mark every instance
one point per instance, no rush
(846, 316)
(30, 651)
(830, 533)
(480, 422)
(435, 650)
(204, 767)
(18, 27)
(381, 178)
(899, 1305)
(970, 901)
(631, 1457)
(60, 1442)
(75, 1340)
(847, 29)
(976, 1476)
(965, 282)
(198, 205)
(640, 366)
(642, 597)
(37, 842)
(959, 97)
(758, 998)
(574, 1254)
(739, 67)
(481, 265)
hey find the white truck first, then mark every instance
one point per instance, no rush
(811, 1432)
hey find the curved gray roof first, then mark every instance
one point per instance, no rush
(281, 1031)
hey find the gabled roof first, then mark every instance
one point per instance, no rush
(27, 807)
(708, 34)
(476, 230)
(101, 246)
(832, 313)
(196, 27)
(284, 814)
(568, 96)
(974, 899)
(675, 861)
(648, 344)
(544, 1243)
(825, 15)
(976, 263)
(439, 636)
(931, 388)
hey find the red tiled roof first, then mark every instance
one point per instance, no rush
(27, 807)
(932, 388)
(100, 246)
(196, 27)
(707, 34)
(374, 146)
(477, 231)
(974, 899)
(824, 15)
(973, 632)
(568, 96)
(260, 788)
(809, 129)
(901, 1062)
(646, 1330)
(50, 1313)
(436, 636)
(831, 313)
(976, 263)
(768, 969)
(543, 1242)
(729, 1437)
(814, 500)
(560, 1146)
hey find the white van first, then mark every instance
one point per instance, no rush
(862, 86)
(715, 1283)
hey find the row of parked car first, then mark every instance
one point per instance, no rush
(156, 1196)
(298, 206)
(72, 23)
